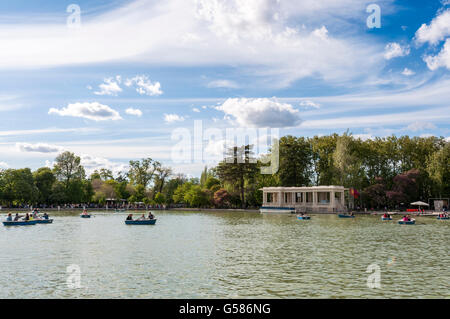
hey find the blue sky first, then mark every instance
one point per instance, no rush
(305, 67)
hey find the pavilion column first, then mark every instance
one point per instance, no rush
(332, 199)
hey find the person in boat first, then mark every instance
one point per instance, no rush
(45, 216)
(35, 213)
(85, 212)
(9, 218)
(27, 217)
(150, 215)
(17, 217)
(142, 217)
(130, 217)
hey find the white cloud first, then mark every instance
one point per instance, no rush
(170, 118)
(263, 35)
(309, 103)
(408, 72)
(436, 31)
(322, 33)
(3, 165)
(420, 126)
(367, 121)
(260, 112)
(196, 110)
(440, 60)
(393, 50)
(92, 111)
(364, 137)
(92, 163)
(223, 84)
(132, 111)
(110, 87)
(38, 148)
(47, 131)
(144, 86)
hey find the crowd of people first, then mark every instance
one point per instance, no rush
(150, 217)
(36, 214)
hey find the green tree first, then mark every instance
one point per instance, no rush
(438, 168)
(44, 180)
(142, 172)
(68, 168)
(238, 168)
(196, 197)
(160, 199)
(295, 161)
(18, 186)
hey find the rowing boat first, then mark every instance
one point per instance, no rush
(346, 216)
(304, 217)
(44, 221)
(407, 222)
(141, 222)
(20, 223)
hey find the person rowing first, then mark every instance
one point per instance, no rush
(150, 216)
(9, 218)
(85, 212)
(130, 217)
(142, 217)
(17, 217)
(35, 213)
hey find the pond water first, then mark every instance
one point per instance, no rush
(224, 255)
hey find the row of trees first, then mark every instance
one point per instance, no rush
(385, 171)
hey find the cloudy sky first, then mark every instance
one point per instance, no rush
(118, 82)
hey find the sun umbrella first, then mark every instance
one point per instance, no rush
(419, 204)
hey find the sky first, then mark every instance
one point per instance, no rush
(114, 81)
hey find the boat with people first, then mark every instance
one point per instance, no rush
(386, 217)
(303, 217)
(85, 214)
(18, 220)
(346, 215)
(151, 220)
(443, 216)
(407, 220)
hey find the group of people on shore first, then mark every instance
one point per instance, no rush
(27, 217)
(150, 217)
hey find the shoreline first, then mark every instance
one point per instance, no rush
(212, 210)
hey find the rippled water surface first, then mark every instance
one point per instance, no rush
(225, 255)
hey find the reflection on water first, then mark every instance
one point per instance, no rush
(225, 255)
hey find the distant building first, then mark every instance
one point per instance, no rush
(315, 199)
